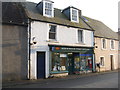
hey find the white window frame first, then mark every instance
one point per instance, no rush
(105, 44)
(52, 12)
(82, 36)
(103, 61)
(55, 33)
(111, 46)
(71, 15)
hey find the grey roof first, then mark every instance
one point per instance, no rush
(59, 17)
(101, 30)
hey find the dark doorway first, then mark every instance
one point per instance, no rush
(111, 60)
(40, 65)
(70, 63)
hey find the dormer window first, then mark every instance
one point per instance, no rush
(48, 9)
(74, 15)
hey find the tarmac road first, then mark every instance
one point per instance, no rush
(105, 80)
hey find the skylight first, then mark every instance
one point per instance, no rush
(85, 19)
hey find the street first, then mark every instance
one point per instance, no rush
(104, 80)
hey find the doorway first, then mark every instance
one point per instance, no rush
(40, 65)
(70, 63)
(111, 60)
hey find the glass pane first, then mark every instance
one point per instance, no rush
(52, 28)
(63, 63)
(48, 8)
(58, 63)
(55, 62)
(74, 15)
(51, 35)
(80, 36)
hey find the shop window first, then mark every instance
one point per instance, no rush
(102, 61)
(59, 62)
(80, 36)
(52, 32)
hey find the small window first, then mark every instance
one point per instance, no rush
(74, 14)
(102, 61)
(52, 32)
(48, 9)
(112, 44)
(80, 36)
(103, 43)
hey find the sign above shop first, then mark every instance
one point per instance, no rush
(69, 49)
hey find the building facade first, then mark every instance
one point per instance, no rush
(61, 42)
(14, 42)
(107, 56)
(106, 45)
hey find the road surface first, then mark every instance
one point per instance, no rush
(105, 80)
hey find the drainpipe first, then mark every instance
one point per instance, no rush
(29, 49)
(94, 59)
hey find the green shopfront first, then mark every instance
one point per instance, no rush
(71, 60)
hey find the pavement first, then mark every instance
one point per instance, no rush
(43, 81)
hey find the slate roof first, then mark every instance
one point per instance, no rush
(101, 30)
(59, 17)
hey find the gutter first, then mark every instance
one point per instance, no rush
(61, 24)
(105, 37)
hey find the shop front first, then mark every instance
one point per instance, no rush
(71, 60)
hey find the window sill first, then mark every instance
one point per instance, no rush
(112, 49)
(53, 41)
(80, 43)
(103, 49)
(102, 66)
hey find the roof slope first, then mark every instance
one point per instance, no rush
(59, 17)
(101, 30)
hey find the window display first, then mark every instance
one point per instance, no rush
(59, 62)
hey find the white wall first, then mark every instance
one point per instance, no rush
(65, 35)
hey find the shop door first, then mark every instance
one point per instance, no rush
(40, 65)
(70, 64)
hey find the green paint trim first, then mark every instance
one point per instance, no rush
(57, 72)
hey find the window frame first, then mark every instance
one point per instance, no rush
(111, 45)
(44, 9)
(77, 15)
(53, 32)
(81, 35)
(119, 45)
(59, 61)
(102, 65)
(105, 44)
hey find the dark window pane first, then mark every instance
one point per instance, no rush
(52, 28)
(51, 35)
(52, 32)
